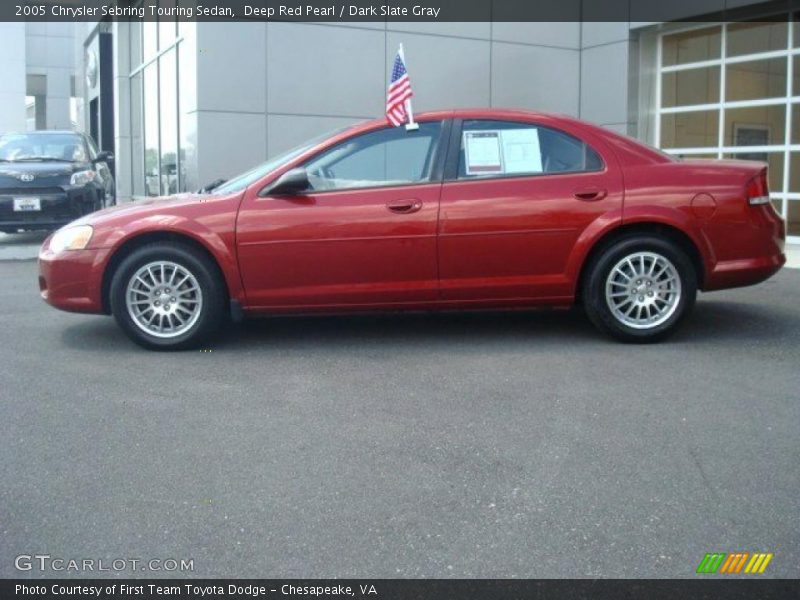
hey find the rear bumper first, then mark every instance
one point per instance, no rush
(738, 273)
(72, 280)
(751, 253)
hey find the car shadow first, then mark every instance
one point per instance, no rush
(726, 320)
(711, 321)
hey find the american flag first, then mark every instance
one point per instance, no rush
(399, 91)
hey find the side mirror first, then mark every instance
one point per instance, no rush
(293, 182)
(106, 157)
(211, 186)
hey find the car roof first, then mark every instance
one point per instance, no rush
(485, 113)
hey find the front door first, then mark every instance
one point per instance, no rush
(363, 235)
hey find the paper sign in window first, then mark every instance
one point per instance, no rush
(482, 152)
(520, 151)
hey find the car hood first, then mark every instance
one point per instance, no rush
(42, 168)
(142, 207)
(14, 174)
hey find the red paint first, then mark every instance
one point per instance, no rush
(512, 241)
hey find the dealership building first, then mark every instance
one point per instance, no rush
(182, 104)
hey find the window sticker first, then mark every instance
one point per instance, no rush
(521, 152)
(482, 152)
(502, 151)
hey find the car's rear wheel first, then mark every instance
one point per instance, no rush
(640, 288)
(167, 296)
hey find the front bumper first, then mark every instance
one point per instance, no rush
(72, 280)
(59, 206)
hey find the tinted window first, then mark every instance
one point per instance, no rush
(42, 146)
(237, 184)
(500, 148)
(93, 151)
(391, 156)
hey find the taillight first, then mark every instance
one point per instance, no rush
(757, 190)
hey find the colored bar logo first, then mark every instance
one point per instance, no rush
(734, 563)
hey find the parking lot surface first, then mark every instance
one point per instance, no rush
(453, 445)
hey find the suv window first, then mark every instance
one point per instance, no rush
(506, 148)
(93, 151)
(390, 156)
(42, 146)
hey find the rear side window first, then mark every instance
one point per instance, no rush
(390, 156)
(506, 148)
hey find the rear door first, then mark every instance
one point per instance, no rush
(365, 234)
(516, 197)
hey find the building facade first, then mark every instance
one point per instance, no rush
(182, 104)
(38, 76)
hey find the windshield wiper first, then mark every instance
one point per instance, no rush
(211, 186)
(42, 159)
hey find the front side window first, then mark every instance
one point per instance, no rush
(505, 148)
(390, 156)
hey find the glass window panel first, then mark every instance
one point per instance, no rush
(169, 122)
(756, 79)
(795, 133)
(755, 126)
(696, 129)
(692, 86)
(704, 156)
(187, 118)
(149, 39)
(796, 30)
(795, 72)
(774, 162)
(167, 27)
(753, 37)
(793, 217)
(523, 148)
(137, 136)
(389, 156)
(794, 172)
(778, 204)
(136, 43)
(692, 46)
(151, 130)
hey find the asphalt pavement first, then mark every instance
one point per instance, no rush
(453, 445)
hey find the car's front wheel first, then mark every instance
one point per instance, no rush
(167, 296)
(640, 288)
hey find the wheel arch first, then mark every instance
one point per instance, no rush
(656, 228)
(136, 241)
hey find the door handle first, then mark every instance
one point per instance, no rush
(590, 194)
(409, 205)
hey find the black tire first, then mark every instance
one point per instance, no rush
(209, 280)
(597, 274)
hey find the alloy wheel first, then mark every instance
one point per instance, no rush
(164, 299)
(643, 290)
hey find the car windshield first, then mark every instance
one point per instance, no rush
(19, 147)
(239, 183)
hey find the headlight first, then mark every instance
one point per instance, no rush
(71, 238)
(82, 177)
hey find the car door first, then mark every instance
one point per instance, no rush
(517, 196)
(364, 234)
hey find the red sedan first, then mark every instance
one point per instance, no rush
(473, 209)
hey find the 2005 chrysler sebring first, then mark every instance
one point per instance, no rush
(474, 209)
